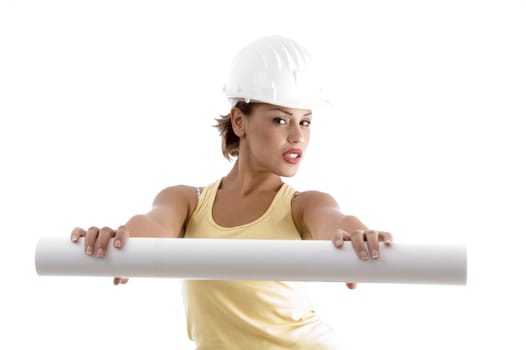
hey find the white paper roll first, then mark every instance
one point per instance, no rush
(232, 259)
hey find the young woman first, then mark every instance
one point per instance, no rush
(267, 132)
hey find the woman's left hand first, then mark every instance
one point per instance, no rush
(366, 244)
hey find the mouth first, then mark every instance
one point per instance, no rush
(292, 156)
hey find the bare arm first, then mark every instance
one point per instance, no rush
(170, 212)
(318, 216)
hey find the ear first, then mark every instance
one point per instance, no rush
(238, 120)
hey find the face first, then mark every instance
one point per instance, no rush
(273, 138)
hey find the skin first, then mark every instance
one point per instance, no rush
(247, 191)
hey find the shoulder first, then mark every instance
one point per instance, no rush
(309, 203)
(171, 192)
(310, 211)
(313, 199)
(179, 195)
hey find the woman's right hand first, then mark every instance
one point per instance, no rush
(96, 242)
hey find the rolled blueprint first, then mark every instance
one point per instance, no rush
(234, 259)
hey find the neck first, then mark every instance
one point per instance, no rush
(246, 181)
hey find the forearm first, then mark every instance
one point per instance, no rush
(319, 216)
(333, 222)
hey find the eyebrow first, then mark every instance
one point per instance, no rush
(281, 110)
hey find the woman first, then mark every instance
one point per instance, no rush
(267, 131)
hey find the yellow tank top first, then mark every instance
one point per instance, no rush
(247, 315)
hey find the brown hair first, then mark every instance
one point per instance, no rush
(230, 141)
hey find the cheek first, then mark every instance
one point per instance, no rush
(269, 137)
(306, 138)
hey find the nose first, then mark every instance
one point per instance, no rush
(296, 134)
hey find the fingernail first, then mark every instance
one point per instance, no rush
(117, 243)
(89, 250)
(74, 238)
(100, 253)
(375, 254)
(364, 255)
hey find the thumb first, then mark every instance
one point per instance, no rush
(351, 285)
(120, 280)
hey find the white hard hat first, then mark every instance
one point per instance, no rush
(274, 70)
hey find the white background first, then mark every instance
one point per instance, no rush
(104, 103)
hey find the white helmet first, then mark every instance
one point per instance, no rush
(274, 70)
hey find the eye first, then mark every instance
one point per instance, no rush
(279, 120)
(305, 123)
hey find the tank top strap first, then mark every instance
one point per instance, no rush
(283, 198)
(206, 199)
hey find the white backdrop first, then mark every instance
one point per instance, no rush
(104, 103)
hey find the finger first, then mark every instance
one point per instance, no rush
(386, 237)
(351, 285)
(358, 243)
(121, 236)
(89, 241)
(120, 280)
(339, 237)
(101, 245)
(76, 234)
(372, 243)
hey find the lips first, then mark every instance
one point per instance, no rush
(292, 156)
